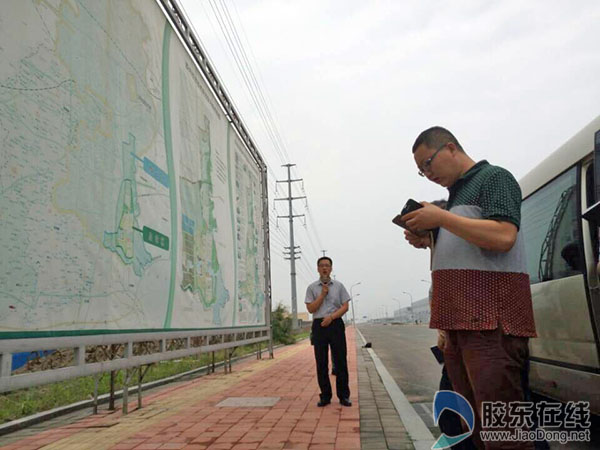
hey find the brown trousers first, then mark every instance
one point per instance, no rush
(487, 366)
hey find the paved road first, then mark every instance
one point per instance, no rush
(404, 350)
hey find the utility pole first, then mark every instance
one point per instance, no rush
(292, 248)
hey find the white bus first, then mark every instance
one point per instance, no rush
(562, 261)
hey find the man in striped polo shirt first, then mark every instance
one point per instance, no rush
(481, 296)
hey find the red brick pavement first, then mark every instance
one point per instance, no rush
(186, 416)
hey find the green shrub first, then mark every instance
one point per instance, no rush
(282, 325)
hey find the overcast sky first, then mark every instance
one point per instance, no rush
(352, 83)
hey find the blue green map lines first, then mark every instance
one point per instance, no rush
(125, 240)
(126, 201)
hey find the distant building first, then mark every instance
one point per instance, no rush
(303, 318)
(420, 312)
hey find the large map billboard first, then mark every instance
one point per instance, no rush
(127, 200)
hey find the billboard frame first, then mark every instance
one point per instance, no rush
(230, 337)
(186, 34)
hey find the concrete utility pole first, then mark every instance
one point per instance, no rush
(292, 248)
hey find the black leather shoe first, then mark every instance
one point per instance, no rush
(323, 403)
(345, 402)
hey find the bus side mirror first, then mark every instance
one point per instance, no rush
(592, 214)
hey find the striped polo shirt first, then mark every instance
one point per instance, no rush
(473, 288)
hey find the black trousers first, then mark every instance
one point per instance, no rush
(335, 336)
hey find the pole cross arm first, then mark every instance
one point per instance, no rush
(288, 198)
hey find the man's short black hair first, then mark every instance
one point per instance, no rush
(327, 258)
(435, 137)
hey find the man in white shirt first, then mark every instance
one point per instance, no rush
(327, 300)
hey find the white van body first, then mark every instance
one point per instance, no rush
(562, 261)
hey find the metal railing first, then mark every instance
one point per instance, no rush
(191, 343)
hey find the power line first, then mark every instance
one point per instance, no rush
(255, 81)
(246, 72)
(269, 168)
(229, 31)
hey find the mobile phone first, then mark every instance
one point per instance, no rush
(410, 206)
(439, 355)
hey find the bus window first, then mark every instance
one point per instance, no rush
(550, 229)
(590, 190)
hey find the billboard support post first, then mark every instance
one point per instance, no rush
(96, 382)
(139, 389)
(125, 392)
(111, 400)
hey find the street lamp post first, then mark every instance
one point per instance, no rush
(411, 304)
(355, 303)
(352, 300)
(385, 311)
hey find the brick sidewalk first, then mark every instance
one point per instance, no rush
(187, 416)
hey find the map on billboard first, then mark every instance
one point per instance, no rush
(127, 201)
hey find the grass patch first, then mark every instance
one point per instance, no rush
(24, 402)
(301, 335)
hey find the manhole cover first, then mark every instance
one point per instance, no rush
(248, 402)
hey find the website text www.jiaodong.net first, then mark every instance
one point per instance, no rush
(537, 435)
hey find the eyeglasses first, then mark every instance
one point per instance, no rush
(427, 163)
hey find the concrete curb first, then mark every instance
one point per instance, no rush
(416, 428)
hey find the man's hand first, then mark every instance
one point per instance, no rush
(326, 321)
(441, 341)
(324, 290)
(417, 241)
(426, 218)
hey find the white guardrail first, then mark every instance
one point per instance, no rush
(190, 343)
